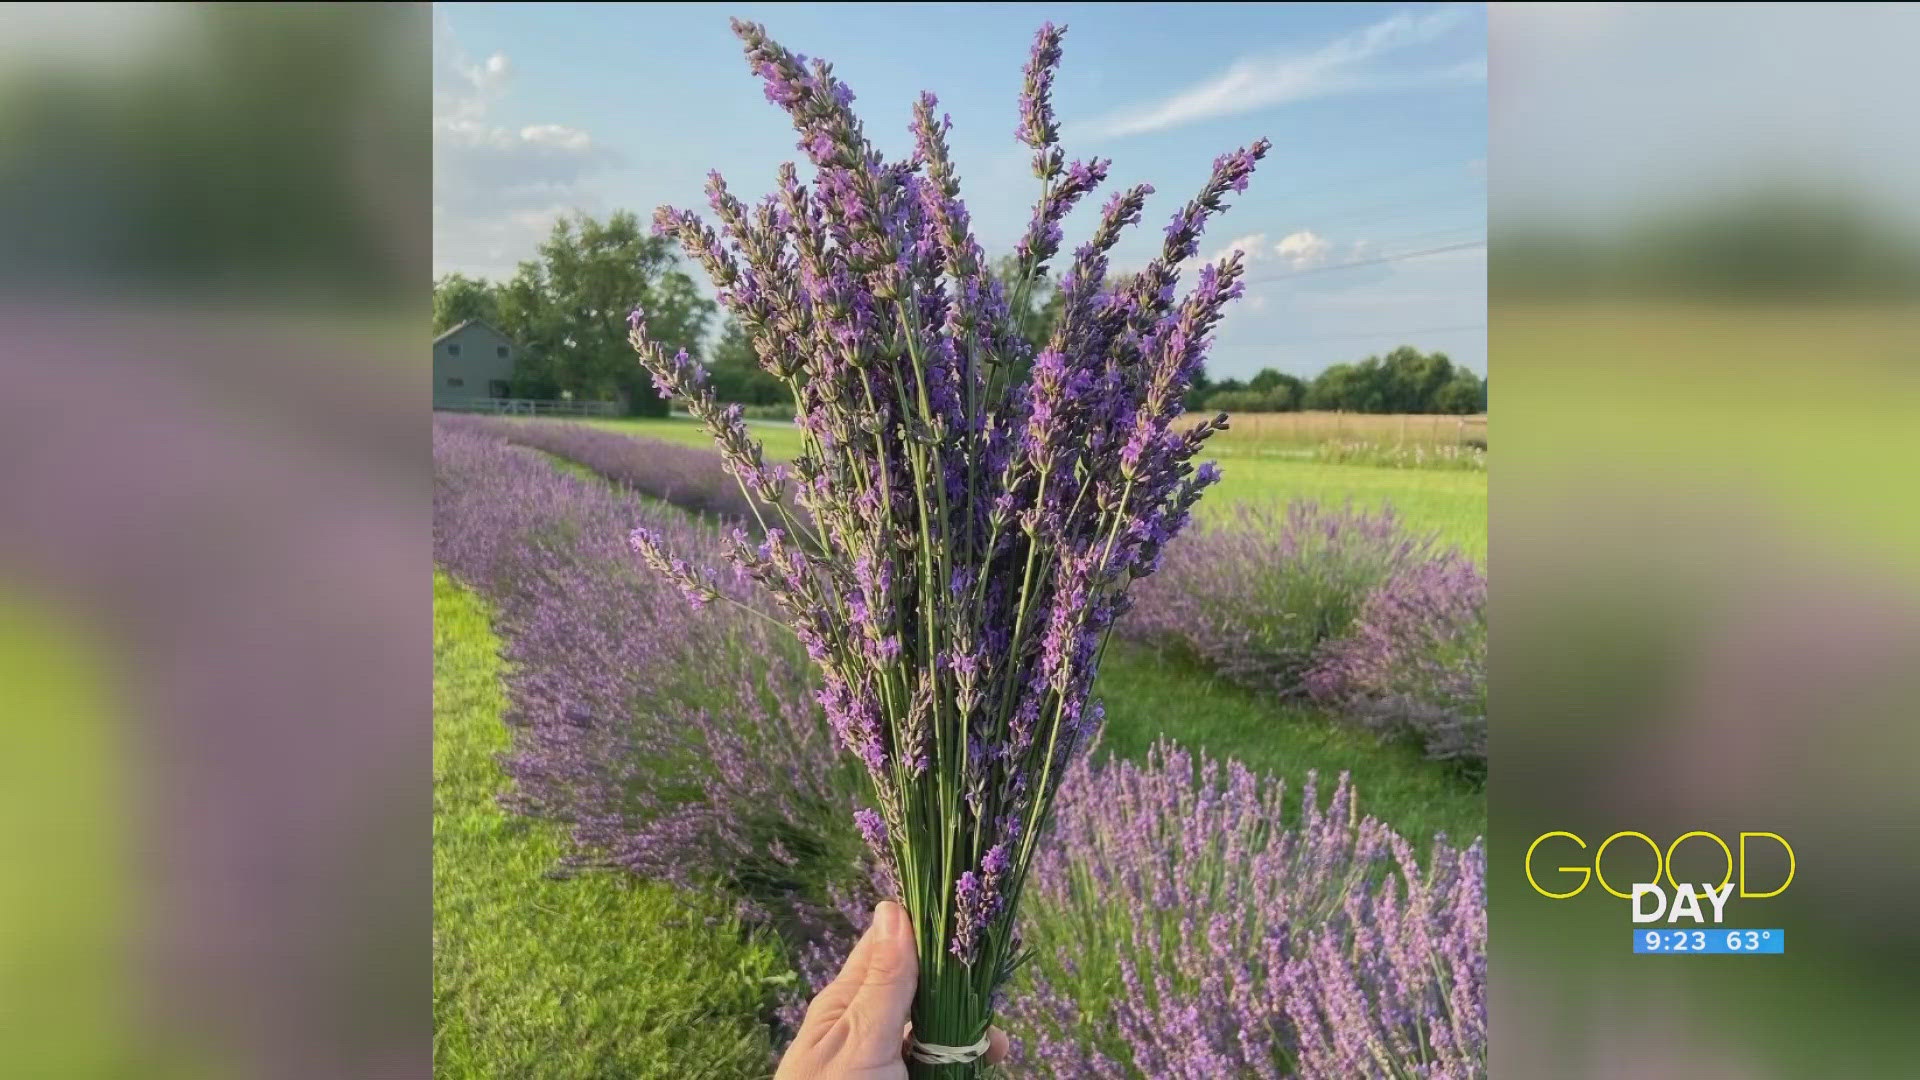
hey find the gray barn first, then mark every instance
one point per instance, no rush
(472, 360)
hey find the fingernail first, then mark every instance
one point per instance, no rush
(890, 919)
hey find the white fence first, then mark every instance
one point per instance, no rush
(531, 407)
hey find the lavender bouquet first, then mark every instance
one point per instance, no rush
(957, 538)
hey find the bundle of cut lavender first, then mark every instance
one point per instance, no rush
(958, 536)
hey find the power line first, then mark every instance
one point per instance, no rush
(1466, 245)
(1462, 327)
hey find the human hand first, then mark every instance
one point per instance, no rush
(853, 1029)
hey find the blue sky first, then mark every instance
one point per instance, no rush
(1378, 115)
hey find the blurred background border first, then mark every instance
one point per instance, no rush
(1704, 270)
(214, 617)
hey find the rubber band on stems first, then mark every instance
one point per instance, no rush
(935, 1054)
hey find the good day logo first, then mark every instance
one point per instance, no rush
(1686, 897)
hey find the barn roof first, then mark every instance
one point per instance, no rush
(472, 322)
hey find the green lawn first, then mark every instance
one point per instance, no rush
(1450, 502)
(596, 976)
(1149, 695)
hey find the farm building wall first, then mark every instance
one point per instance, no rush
(473, 360)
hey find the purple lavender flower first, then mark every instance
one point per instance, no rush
(1037, 127)
(873, 827)
(1244, 946)
(1415, 660)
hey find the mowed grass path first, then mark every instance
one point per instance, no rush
(1149, 696)
(1450, 502)
(599, 975)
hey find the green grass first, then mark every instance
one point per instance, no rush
(599, 975)
(1452, 503)
(1148, 695)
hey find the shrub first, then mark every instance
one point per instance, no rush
(1416, 658)
(1256, 597)
(1181, 929)
(1190, 919)
(679, 745)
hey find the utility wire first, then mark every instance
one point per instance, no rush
(1463, 246)
(1272, 343)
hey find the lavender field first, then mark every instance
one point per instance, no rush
(1446, 500)
(1267, 866)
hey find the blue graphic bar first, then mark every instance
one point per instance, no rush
(1715, 942)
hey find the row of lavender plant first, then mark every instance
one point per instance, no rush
(1415, 659)
(675, 744)
(1236, 939)
(622, 697)
(690, 477)
(1342, 606)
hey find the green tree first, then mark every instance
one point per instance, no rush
(1036, 309)
(1464, 395)
(458, 298)
(568, 309)
(1198, 392)
(736, 372)
(1248, 401)
(1349, 388)
(1282, 392)
(1409, 380)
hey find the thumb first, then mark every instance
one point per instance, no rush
(883, 996)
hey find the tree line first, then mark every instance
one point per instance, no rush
(1405, 380)
(567, 308)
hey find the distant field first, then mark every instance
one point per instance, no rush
(1452, 503)
(1306, 429)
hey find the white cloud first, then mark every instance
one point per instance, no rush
(1252, 249)
(497, 186)
(1341, 66)
(1298, 250)
(1303, 249)
(558, 136)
